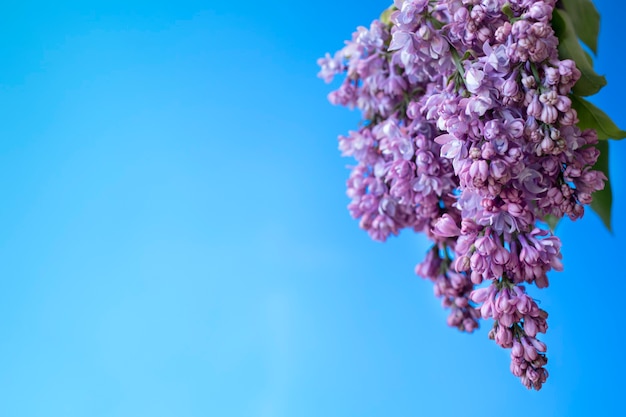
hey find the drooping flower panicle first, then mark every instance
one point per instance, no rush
(469, 136)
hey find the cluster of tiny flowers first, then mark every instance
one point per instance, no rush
(469, 137)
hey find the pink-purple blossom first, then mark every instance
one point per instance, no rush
(469, 136)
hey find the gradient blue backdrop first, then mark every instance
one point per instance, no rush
(174, 239)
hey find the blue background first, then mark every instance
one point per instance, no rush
(174, 239)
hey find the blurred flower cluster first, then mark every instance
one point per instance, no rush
(469, 136)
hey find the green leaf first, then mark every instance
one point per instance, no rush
(589, 59)
(586, 20)
(552, 221)
(591, 117)
(385, 16)
(570, 48)
(506, 9)
(603, 199)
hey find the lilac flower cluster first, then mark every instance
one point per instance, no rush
(469, 137)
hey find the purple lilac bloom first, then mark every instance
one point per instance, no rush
(469, 137)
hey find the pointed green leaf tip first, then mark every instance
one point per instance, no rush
(385, 16)
(586, 21)
(569, 48)
(552, 221)
(603, 199)
(591, 117)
